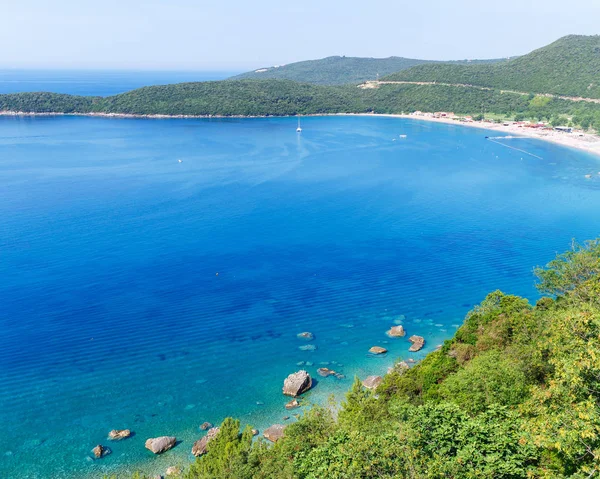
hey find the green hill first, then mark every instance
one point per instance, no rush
(570, 66)
(338, 70)
(286, 97)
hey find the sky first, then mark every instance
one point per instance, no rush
(237, 35)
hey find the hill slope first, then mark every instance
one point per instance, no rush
(570, 66)
(338, 70)
(285, 97)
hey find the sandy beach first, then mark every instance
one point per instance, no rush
(577, 139)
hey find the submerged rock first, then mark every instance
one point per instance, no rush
(307, 347)
(292, 404)
(158, 445)
(306, 335)
(297, 383)
(324, 372)
(118, 434)
(417, 343)
(396, 332)
(377, 350)
(274, 433)
(372, 382)
(173, 471)
(205, 426)
(200, 445)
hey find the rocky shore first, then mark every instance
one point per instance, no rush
(295, 385)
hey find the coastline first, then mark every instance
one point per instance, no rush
(577, 139)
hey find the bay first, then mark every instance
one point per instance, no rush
(155, 273)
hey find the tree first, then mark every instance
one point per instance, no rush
(570, 272)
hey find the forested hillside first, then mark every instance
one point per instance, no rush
(285, 97)
(339, 70)
(570, 66)
(514, 394)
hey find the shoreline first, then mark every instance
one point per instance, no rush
(588, 142)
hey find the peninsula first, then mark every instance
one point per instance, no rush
(561, 88)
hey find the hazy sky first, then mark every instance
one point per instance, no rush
(243, 34)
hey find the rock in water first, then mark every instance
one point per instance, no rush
(372, 382)
(274, 433)
(205, 426)
(417, 343)
(297, 383)
(200, 445)
(158, 445)
(118, 434)
(324, 372)
(306, 335)
(100, 451)
(396, 332)
(377, 350)
(292, 404)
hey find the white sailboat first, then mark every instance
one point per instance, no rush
(299, 130)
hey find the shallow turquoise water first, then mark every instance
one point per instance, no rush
(113, 315)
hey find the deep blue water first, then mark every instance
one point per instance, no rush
(96, 82)
(113, 314)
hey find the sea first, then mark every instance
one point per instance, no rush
(156, 272)
(97, 82)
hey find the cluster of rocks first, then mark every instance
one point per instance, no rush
(294, 385)
(417, 342)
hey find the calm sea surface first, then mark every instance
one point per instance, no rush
(95, 82)
(139, 291)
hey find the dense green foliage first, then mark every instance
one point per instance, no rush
(514, 394)
(338, 70)
(334, 70)
(242, 97)
(570, 66)
(285, 97)
(44, 102)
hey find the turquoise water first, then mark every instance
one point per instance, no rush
(113, 314)
(96, 82)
